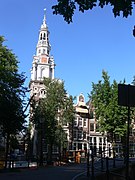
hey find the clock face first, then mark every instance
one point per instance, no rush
(43, 60)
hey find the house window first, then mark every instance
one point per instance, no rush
(104, 140)
(85, 147)
(95, 140)
(84, 122)
(55, 149)
(91, 126)
(80, 122)
(91, 115)
(84, 135)
(74, 147)
(100, 140)
(90, 139)
(79, 146)
(80, 134)
(75, 122)
(118, 138)
(97, 127)
(75, 134)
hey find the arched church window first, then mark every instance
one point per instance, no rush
(39, 51)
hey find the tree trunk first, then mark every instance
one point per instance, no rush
(49, 158)
(7, 150)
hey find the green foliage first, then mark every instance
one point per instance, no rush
(66, 8)
(14, 144)
(133, 82)
(12, 92)
(112, 117)
(54, 110)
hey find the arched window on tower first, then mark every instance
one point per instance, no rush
(50, 72)
(42, 73)
(42, 93)
(41, 36)
(44, 37)
(43, 51)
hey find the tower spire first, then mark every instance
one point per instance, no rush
(44, 20)
(43, 63)
(44, 24)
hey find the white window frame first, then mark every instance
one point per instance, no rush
(84, 119)
(80, 120)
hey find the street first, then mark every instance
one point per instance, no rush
(66, 172)
(47, 173)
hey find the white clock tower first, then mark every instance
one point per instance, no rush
(43, 64)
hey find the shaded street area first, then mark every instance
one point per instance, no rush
(48, 173)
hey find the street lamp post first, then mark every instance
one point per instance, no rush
(88, 150)
(88, 161)
(41, 142)
(134, 31)
(126, 97)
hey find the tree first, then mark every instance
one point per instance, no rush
(111, 117)
(66, 8)
(52, 112)
(12, 94)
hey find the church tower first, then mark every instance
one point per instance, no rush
(43, 64)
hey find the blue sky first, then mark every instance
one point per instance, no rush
(95, 41)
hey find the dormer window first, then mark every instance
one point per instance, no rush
(81, 98)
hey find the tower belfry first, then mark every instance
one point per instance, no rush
(43, 64)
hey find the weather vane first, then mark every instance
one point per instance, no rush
(45, 10)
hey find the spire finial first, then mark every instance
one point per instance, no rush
(44, 20)
(45, 11)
